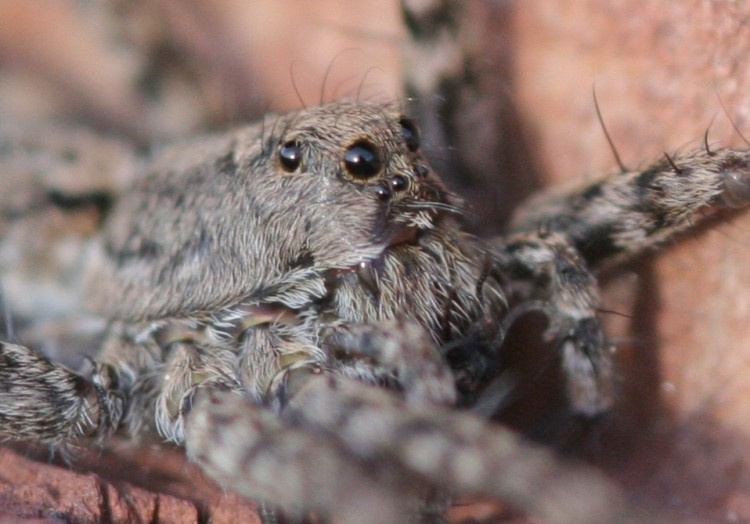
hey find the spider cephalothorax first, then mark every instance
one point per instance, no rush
(198, 251)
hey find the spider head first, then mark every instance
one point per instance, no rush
(367, 162)
(266, 213)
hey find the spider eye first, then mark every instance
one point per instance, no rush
(361, 160)
(410, 134)
(382, 191)
(290, 156)
(399, 182)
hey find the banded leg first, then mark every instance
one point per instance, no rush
(628, 213)
(546, 274)
(558, 237)
(456, 450)
(250, 449)
(359, 453)
(406, 350)
(45, 402)
(268, 454)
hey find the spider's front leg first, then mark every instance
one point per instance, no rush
(544, 273)
(43, 401)
(263, 451)
(252, 450)
(631, 212)
(403, 348)
(559, 239)
(367, 453)
(360, 453)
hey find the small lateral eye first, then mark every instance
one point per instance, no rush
(421, 171)
(399, 182)
(290, 156)
(382, 191)
(361, 160)
(410, 133)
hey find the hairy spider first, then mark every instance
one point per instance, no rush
(297, 303)
(304, 284)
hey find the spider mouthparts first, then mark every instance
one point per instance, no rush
(404, 235)
(367, 270)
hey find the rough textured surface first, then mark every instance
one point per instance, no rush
(33, 490)
(680, 434)
(169, 490)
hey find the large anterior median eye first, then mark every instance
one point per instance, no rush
(410, 133)
(362, 161)
(290, 156)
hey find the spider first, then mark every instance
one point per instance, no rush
(337, 322)
(296, 302)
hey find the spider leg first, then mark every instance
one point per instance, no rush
(43, 401)
(403, 347)
(132, 386)
(455, 450)
(271, 455)
(559, 237)
(634, 211)
(250, 449)
(545, 273)
(358, 453)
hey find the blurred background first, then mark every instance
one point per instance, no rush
(153, 69)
